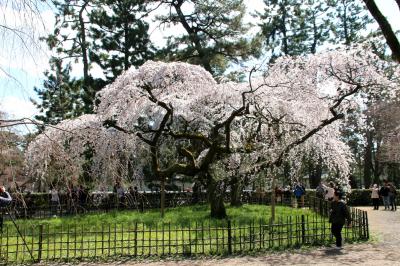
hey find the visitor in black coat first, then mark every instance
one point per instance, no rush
(339, 215)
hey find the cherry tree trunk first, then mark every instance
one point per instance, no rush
(273, 199)
(216, 199)
(236, 192)
(162, 199)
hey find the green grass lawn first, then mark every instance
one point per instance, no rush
(183, 231)
(181, 216)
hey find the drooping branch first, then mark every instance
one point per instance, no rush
(279, 160)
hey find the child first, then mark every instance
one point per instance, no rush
(339, 215)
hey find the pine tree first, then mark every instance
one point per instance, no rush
(349, 19)
(214, 34)
(60, 95)
(70, 42)
(120, 36)
(294, 27)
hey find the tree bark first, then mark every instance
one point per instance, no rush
(162, 199)
(196, 192)
(273, 197)
(236, 192)
(84, 46)
(385, 27)
(216, 199)
(194, 38)
(368, 160)
(315, 173)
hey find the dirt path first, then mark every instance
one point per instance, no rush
(384, 225)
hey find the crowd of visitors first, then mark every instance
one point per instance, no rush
(387, 192)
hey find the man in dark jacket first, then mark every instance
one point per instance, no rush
(339, 215)
(5, 199)
(384, 193)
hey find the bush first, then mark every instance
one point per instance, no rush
(359, 197)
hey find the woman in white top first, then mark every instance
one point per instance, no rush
(375, 196)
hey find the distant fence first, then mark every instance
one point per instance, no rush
(40, 207)
(137, 240)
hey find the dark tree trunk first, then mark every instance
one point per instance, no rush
(315, 173)
(368, 161)
(162, 199)
(216, 199)
(385, 27)
(236, 191)
(196, 192)
(84, 46)
(194, 37)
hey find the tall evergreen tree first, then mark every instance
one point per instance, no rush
(349, 19)
(214, 33)
(120, 36)
(60, 95)
(70, 41)
(294, 27)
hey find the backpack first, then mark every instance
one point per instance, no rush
(298, 191)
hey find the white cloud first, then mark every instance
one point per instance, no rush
(17, 108)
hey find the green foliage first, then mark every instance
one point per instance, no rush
(183, 232)
(60, 95)
(120, 36)
(353, 19)
(180, 216)
(361, 197)
(214, 34)
(296, 27)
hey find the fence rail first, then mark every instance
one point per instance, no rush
(106, 202)
(65, 243)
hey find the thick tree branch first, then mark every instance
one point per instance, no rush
(200, 137)
(387, 30)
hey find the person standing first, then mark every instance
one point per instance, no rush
(54, 201)
(384, 192)
(338, 217)
(320, 191)
(329, 191)
(5, 199)
(392, 197)
(375, 196)
(299, 192)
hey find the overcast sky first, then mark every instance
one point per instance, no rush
(27, 66)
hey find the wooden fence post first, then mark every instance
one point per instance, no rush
(135, 239)
(303, 229)
(366, 224)
(40, 247)
(229, 237)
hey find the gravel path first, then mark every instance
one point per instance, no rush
(384, 225)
